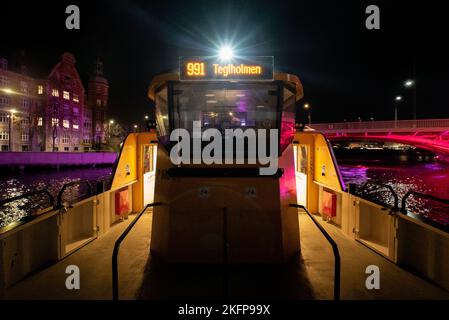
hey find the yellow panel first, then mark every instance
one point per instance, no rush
(322, 168)
(126, 169)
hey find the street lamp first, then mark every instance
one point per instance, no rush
(11, 123)
(309, 113)
(398, 99)
(411, 84)
(146, 117)
(109, 129)
(135, 127)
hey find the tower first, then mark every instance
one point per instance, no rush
(97, 102)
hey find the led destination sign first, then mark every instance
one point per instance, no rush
(210, 68)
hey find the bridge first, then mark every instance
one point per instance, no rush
(429, 134)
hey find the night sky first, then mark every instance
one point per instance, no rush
(347, 71)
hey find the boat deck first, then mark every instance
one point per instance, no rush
(308, 276)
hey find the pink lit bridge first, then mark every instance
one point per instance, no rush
(429, 134)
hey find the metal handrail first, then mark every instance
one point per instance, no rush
(383, 185)
(117, 244)
(421, 195)
(337, 263)
(64, 187)
(29, 194)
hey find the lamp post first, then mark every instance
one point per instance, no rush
(109, 130)
(309, 113)
(135, 127)
(11, 124)
(397, 100)
(411, 84)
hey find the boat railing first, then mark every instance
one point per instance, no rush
(380, 187)
(337, 262)
(117, 244)
(420, 195)
(60, 202)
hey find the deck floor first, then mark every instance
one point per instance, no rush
(308, 276)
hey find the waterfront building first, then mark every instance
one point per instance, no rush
(53, 113)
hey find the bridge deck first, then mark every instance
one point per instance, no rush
(310, 276)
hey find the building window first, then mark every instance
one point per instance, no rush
(3, 81)
(4, 117)
(75, 149)
(86, 140)
(98, 103)
(4, 135)
(40, 89)
(24, 137)
(25, 148)
(25, 103)
(5, 147)
(4, 101)
(75, 110)
(54, 122)
(75, 98)
(24, 86)
(76, 126)
(66, 123)
(55, 93)
(66, 95)
(39, 122)
(66, 139)
(66, 148)
(87, 125)
(25, 121)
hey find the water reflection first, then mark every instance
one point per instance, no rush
(15, 185)
(428, 178)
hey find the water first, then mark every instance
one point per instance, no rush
(429, 178)
(12, 185)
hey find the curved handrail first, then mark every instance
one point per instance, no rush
(117, 244)
(421, 195)
(383, 185)
(64, 187)
(337, 263)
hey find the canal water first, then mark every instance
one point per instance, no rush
(430, 178)
(15, 184)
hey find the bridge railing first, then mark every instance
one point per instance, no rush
(431, 124)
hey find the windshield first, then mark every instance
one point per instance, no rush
(225, 106)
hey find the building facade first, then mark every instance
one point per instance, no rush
(55, 113)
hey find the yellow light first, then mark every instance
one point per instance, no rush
(111, 121)
(7, 90)
(195, 69)
(306, 106)
(231, 69)
(13, 111)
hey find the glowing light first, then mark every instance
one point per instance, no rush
(409, 83)
(7, 90)
(211, 101)
(398, 98)
(13, 111)
(231, 69)
(226, 53)
(306, 106)
(111, 121)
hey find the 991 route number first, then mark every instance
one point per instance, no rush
(245, 309)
